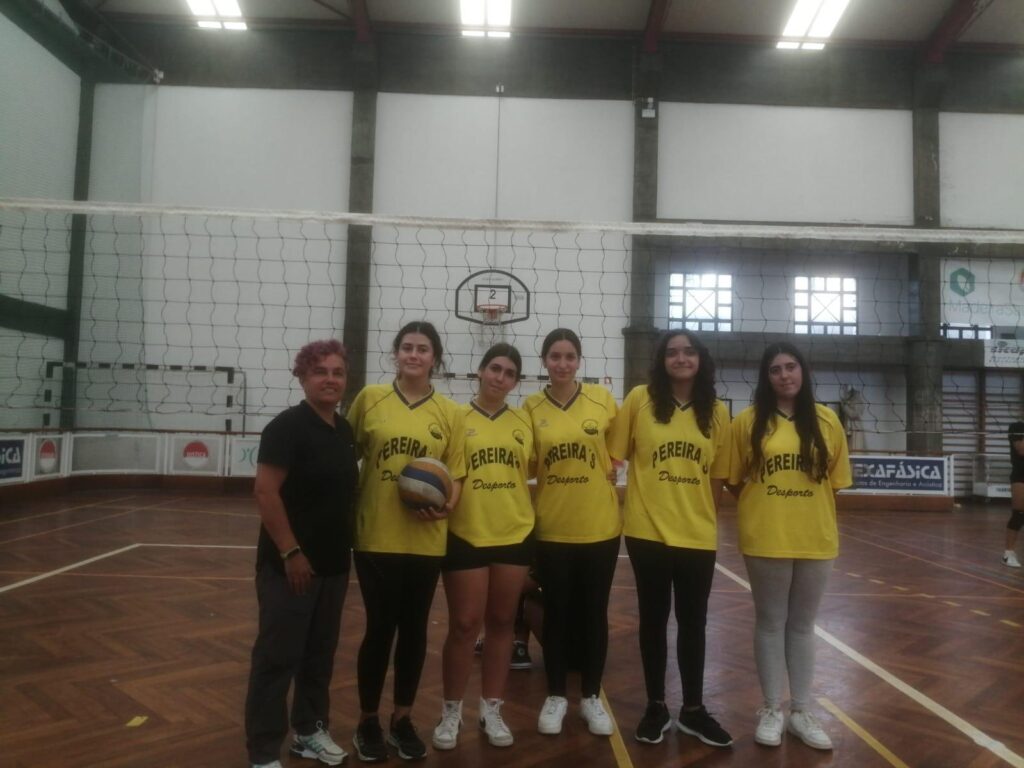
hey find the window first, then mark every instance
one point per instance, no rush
(964, 331)
(700, 302)
(825, 305)
(490, 18)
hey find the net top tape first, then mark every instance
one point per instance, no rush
(812, 232)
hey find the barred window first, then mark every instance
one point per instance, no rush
(825, 305)
(700, 302)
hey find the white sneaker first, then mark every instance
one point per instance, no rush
(769, 726)
(446, 734)
(494, 726)
(1010, 559)
(598, 721)
(318, 746)
(552, 714)
(806, 727)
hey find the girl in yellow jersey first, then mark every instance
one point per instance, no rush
(789, 459)
(398, 552)
(675, 434)
(490, 546)
(578, 526)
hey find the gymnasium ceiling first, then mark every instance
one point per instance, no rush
(932, 25)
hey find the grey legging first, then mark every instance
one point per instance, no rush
(787, 594)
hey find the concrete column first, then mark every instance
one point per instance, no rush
(641, 334)
(360, 200)
(925, 353)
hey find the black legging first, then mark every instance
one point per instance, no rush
(658, 568)
(576, 581)
(397, 592)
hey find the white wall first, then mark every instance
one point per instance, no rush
(787, 164)
(202, 290)
(981, 167)
(547, 159)
(39, 100)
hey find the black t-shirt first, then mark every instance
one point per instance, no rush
(1016, 460)
(319, 491)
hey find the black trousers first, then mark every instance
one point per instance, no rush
(298, 635)
(398, 590)
(576, 581)
(658, 569)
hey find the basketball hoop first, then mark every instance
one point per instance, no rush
(492, 313)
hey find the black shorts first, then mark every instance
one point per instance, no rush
(463, 556)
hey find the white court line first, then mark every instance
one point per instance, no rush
(66, 568)
(977, 736)
(200, 546)
(122, 550)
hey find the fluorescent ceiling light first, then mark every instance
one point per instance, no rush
(499, 13)
(202, 7)
(813, 46)
(801, 18)
(236, 25)
(473, 13)
(787, 45)
(496, 33)
(228, 8)
(472, 33)
(827, 18)
(209, 24)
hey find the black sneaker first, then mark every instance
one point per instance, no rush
(699, 723)
(369, 741)
(654, 723)
(520, 656)
(404, 738)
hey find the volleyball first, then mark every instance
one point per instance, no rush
(424, 483)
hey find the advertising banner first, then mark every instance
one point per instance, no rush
(242, 453)
(12, 459)
(907, 475)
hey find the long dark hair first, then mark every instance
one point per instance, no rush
(813, 453)
(659, 385)
(561, 334)
(428, 330)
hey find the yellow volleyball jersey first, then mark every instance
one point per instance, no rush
(495, 507)
(390, 432)
(782, 512)
(671, 468)
(575, 501)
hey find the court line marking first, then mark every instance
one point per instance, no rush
(866, 737)
(934, 563)
(127, 511)
(618, 746)
(110, 503)
(976, 735)
(66, 568)
(112, 553)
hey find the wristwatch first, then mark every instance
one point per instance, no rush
(291, 552)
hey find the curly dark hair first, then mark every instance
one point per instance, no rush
(813, 452)
(314, 352)
(659, 385)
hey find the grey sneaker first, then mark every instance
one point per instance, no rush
(494, 726)
(446, 733)
(318, 746)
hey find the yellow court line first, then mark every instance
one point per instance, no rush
(618, 746)
(980, 613)
(866, 737)
(901, 589)
(136, 721)
(950, 602)
(1009, 623)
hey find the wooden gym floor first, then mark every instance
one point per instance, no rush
(126, 620)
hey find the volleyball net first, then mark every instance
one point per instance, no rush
(142, 317)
